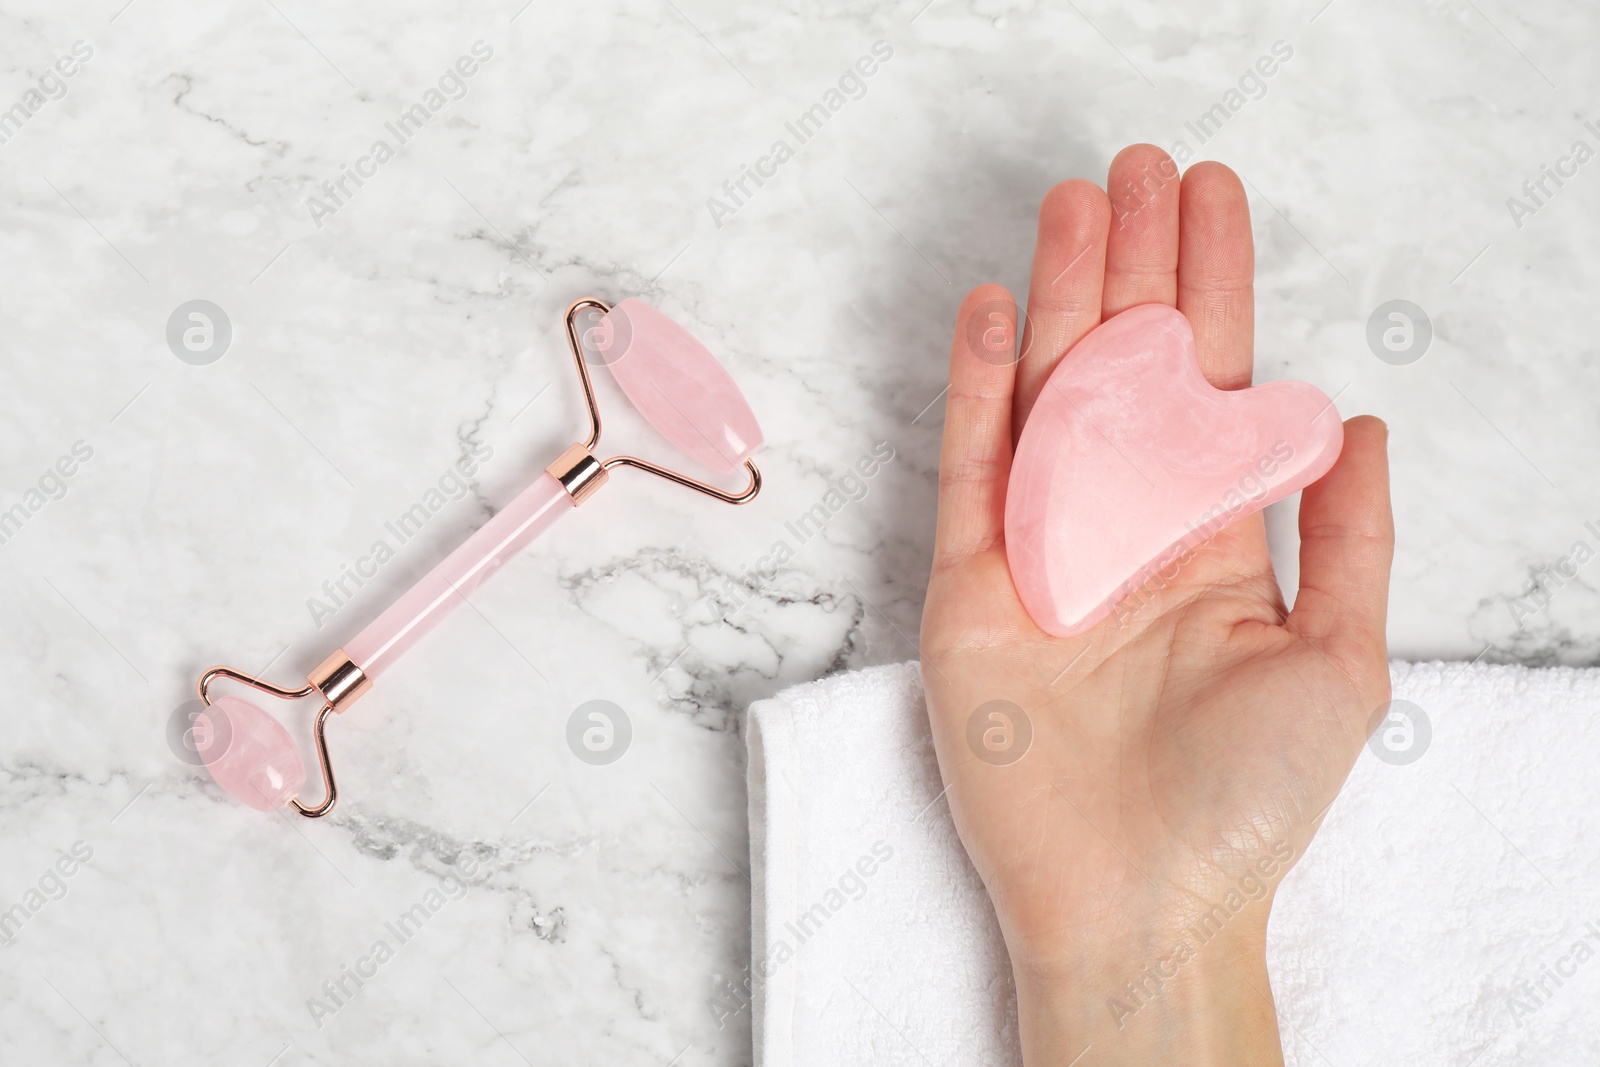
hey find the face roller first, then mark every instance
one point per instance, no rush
(680, 389)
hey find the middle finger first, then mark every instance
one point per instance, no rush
(1142, 248)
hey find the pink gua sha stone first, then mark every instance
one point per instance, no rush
(1130, 458)
(669, 376)
(250, 754)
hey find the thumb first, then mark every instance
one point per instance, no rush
(1346, 547)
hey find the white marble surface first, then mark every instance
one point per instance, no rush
(420, 319)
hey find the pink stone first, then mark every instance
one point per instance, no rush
(1130, 458)
(249, 753)
(678, 386)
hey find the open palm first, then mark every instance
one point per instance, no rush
(1180, 758)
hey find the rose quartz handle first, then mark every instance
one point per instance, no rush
(444, 587)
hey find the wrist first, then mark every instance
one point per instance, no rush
(1186, 995)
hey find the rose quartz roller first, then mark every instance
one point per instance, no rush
(1130, 459)
(682, 391)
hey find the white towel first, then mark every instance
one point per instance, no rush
(1448, 912)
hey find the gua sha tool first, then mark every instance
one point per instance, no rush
(1130, 458)
(680, 389)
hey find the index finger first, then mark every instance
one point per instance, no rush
(1216, 273)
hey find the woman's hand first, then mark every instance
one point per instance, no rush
(1182, 756)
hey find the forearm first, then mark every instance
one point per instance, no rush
(1153, 1003)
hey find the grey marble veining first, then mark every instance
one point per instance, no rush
(383, 331)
